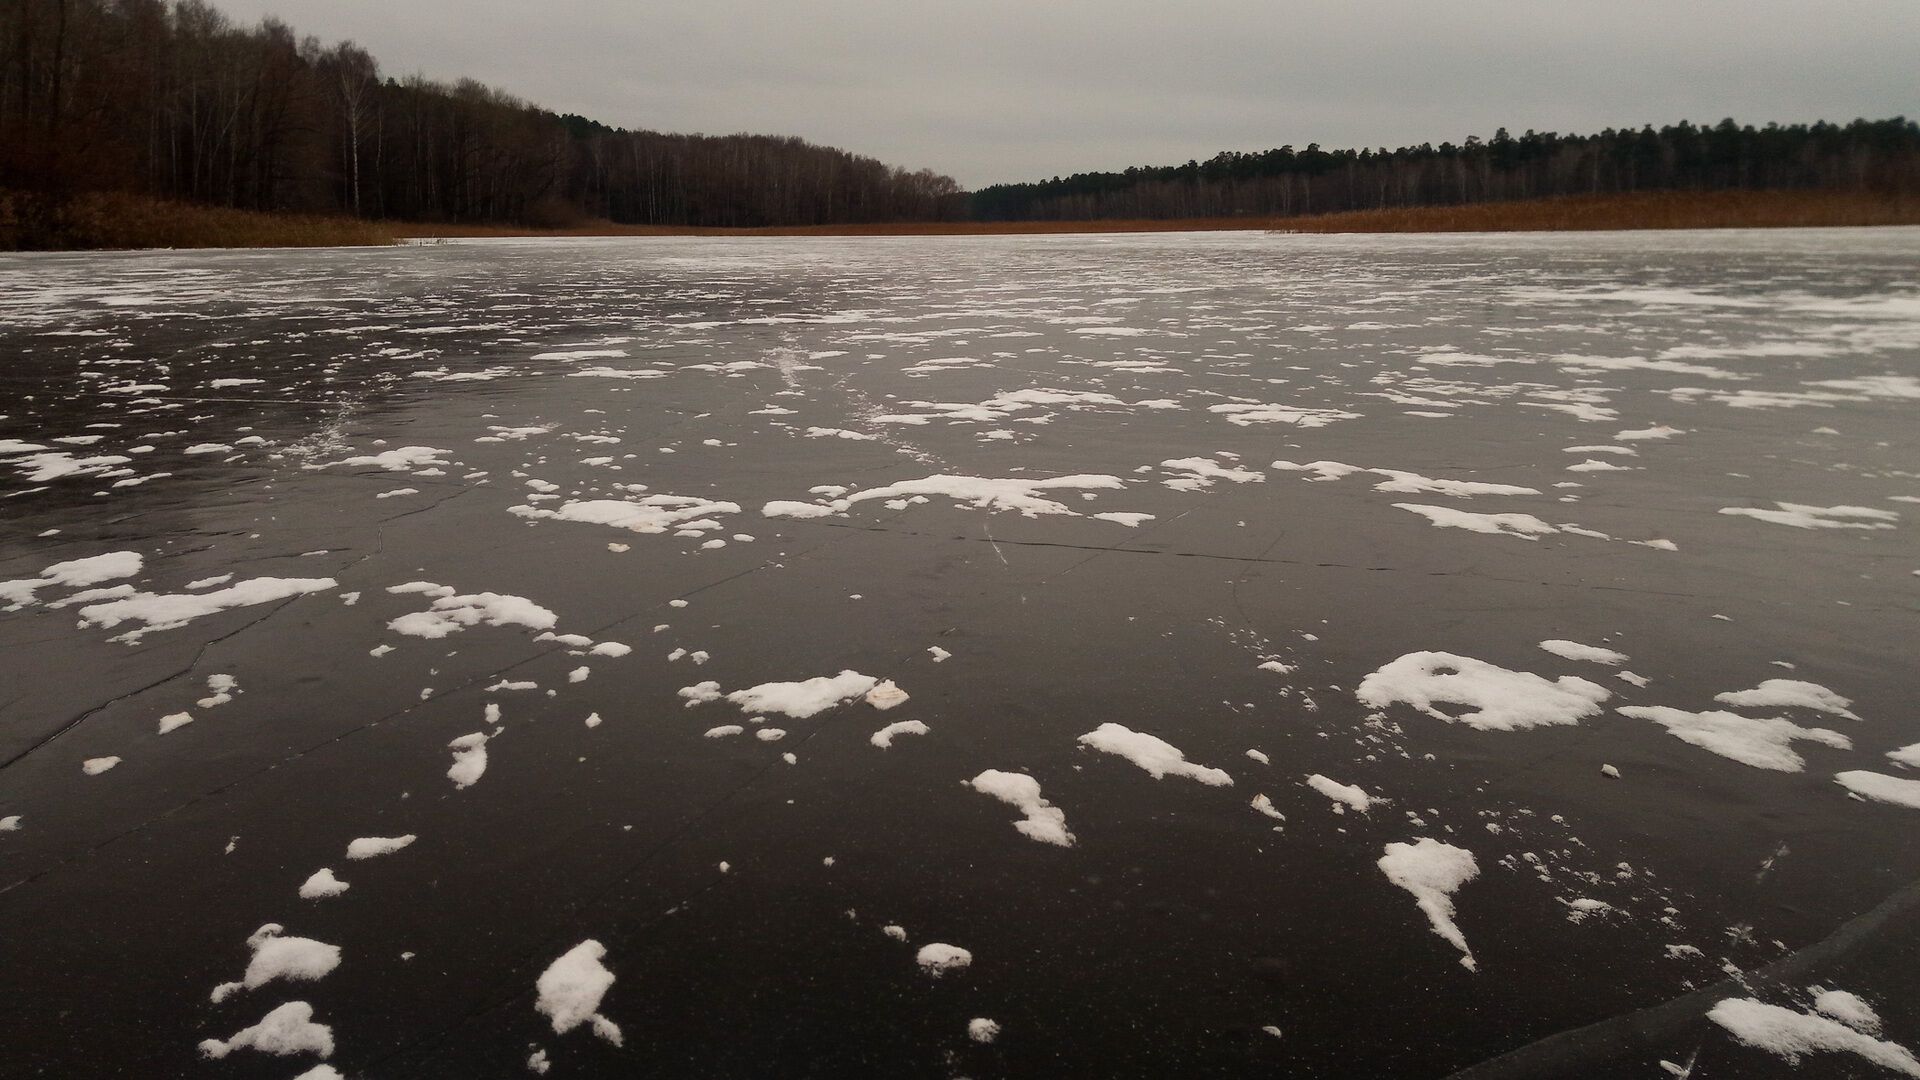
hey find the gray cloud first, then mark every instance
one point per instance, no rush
(990, 90)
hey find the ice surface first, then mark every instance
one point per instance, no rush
(926, 401)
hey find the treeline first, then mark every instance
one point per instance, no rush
(174, 100)
(1865, 155)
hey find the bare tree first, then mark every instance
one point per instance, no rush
(354, 78)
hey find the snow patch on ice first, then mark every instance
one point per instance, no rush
(72, 574)
(451, 614)
(801, 700)
(885, 736)
(286, 1030)
(169, 611)
(1044, 821)
(938, 958)
(1762, 743)
(981, 493)
(651, 514)
(1432, 871)
(278, 957)
(1198, 473)
(1524, 526)
(1880, 787)
(1788, 694)
(571, 988)
(1495, 698)
(402, 459)
(1802, 516)
(1793, 1035)
(368, 847)
(1157, 756)
(469, 759)
(1343, 795)
(884, 695)
(321, 883)
(1244, 415)
(1573, 650)
(1848, 1008)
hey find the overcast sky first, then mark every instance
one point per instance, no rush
(991, 90)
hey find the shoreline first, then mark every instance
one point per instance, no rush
(119, 222)
(1578, 213)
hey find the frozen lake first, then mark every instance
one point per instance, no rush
(1260, 655)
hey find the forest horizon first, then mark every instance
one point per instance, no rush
(170, 99)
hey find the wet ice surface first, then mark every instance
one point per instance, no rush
(662, 657)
